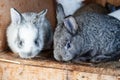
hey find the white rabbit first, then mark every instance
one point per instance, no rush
(115, 14)
(29, 33)
(70, 6)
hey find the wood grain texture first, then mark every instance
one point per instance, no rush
(46, 68)
(24, 72)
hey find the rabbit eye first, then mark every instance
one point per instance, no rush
(68, 45)
(36, 42)
(20, 44)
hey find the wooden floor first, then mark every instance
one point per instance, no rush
(45, 67)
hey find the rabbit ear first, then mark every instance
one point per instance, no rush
(16, 17)
(43, 13)
(60, 13)
(71, 24)
(40, 17)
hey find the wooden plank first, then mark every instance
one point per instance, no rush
(7, 59)
(24, 72)
(75, 75)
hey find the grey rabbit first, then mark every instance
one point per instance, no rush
(29, 33)
(89, 36)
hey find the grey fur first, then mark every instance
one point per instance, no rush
(96, 39)
(93, 7)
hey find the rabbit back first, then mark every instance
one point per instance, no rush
(100, 34)
(92, 7)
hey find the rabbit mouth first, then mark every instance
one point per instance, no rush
(67, 58)
(59, 58)
(27, 55)
(63, 58)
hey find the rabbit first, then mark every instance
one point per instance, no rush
(92, 7)
(115, 14)
(89, 37)
(70, 6)
(29, 33)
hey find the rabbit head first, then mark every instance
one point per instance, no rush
(24, 34)
(65, 38)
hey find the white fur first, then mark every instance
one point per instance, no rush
(29, 33)
(70, 6)
(115, 14)
(25, 26)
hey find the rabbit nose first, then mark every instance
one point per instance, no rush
(29, 54)
(60, 58)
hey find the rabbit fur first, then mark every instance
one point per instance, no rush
(70, 6)
(115, 14)
(29, 33)
(89, 37)
(92, 7)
